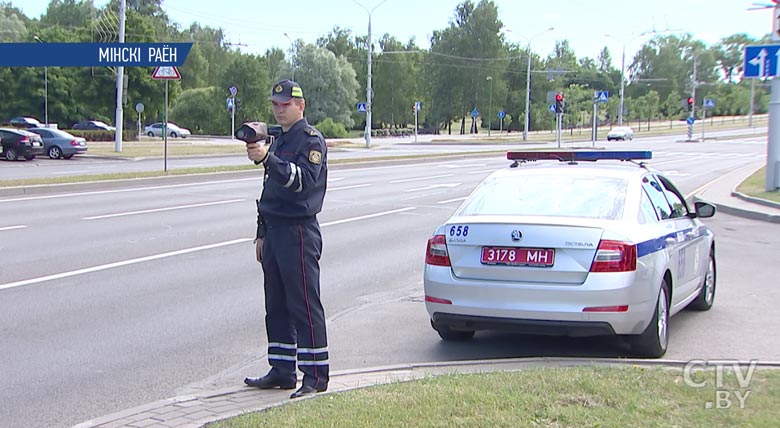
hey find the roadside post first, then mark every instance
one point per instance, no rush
(166, 73)
(140, 109)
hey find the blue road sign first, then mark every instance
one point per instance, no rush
(762, 61)
(361, 107)
(690, 120)
(418, 105)
(230, 103)
(474, 113)
(501, 114)
(552, 108)
(709, 103)
(233, 90)
(602, 96)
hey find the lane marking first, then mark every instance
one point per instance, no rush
(122, 263)
(452, 200)
(433, 186)
(12, 227)
(157, 210)
(363, 217)
(356, 186)
(175, 253)
(135, 189)
(407, 180)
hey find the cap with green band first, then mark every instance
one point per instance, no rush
(285, 90)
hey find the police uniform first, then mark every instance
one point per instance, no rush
(294, 186)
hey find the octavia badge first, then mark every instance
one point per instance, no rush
(517, 235)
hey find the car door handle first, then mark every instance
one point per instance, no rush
(690, 235)
(671, 241)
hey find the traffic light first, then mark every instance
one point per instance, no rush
(560, 103)
(691, 101)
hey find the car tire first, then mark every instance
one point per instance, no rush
(150, 133)
(706, 297)
(54, 152)
(654, 341)
(174, 135)
(10, 154)
(452, 335)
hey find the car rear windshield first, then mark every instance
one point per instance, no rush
(595, 197)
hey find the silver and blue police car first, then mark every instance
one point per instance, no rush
(571, 243)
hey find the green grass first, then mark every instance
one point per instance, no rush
(755, 186)
(545, 397)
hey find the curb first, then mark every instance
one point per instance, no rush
(195, 411)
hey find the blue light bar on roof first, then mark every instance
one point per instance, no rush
(573, 156)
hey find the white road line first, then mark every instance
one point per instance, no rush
(67, 172)
(175, 253)
(484, 171)
(122, 263)
(452, 200)
(12, 227)
(135, 189)
(363, 217)
(356, 186)
(157, 210)
(420, 178)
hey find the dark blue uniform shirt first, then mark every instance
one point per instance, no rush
(296, 175)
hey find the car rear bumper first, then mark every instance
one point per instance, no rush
(524, 326)
(553, 308)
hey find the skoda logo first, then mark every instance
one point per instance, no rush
(517, 235)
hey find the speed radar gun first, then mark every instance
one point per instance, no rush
(253, 132)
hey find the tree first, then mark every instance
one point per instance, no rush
(202, 110)
(249, 75)
(329, 85)
(729, 54)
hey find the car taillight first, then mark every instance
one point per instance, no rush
(24, 140)
(614, 256)
(437, 254)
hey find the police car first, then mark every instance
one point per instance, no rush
(571, 243)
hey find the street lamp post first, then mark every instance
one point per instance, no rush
(623, 72)
(490, 102)
(45, 89)
(368, 74)
(527, 121)
(292, 60)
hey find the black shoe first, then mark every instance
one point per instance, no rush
(306, 390)
(271, 380)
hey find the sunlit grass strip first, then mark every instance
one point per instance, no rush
(755, 186)
(545, 397)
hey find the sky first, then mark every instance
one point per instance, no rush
(257, 25)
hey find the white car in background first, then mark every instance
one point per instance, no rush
(172, 130)
(621, 133)
(568, 246)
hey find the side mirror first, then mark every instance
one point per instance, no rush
(704, 209)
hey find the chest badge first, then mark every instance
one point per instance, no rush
(315, 157)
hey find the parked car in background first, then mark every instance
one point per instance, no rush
(60, 144)
(25, 122)
(93, 125)
(621, 133)
(15, 143)
(173, 130)
(559, 244)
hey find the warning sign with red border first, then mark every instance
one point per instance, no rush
(166, 73)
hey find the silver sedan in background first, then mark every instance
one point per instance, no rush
(60, 144)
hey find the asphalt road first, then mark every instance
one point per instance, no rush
(110, 299)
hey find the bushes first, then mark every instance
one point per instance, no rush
(100, 135)
(331, 129)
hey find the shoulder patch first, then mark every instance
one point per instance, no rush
(311, 132)
(315, 157)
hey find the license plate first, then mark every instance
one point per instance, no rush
(534, 257)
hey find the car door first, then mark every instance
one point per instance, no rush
(666, 230)
(691, 236)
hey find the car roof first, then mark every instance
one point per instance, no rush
(18, 131)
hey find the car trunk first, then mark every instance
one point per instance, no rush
(524, 252)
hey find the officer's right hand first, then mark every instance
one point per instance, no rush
(257, 152)
(259, 249)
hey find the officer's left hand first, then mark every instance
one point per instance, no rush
(256, 151)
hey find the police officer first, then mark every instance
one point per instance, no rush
(289, 245)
